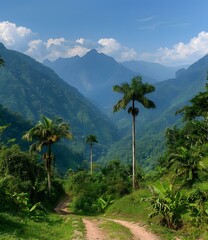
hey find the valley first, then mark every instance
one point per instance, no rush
(171, 159)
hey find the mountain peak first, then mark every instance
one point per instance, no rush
(92, 52)
(94, 55)
(2, 46)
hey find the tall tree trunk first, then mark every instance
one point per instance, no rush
(49, 169)
(91, 159)
(133, 146)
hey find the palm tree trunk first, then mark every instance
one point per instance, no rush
(49, 170)
(133, 147)
(91, 159)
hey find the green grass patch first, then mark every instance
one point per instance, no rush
(52, 227)
(115, 230)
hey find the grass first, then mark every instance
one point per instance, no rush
(131, 208)
(115, 230)
(52, 227)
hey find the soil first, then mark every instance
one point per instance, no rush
(139, 232)
(93, 232)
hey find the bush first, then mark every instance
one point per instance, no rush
(170, 203)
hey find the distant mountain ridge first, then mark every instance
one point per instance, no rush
(32, 89)
(153, 70)
(94, 74)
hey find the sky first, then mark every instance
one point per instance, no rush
(170, 32)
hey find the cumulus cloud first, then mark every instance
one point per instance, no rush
(181, 53)
(55, 42)
(80, 41)
(24, 40)
(15, 37)
(108, 45)
(54, 48)
(112, 47)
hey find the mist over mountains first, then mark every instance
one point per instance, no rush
(32, 89)
(156, 71)
(94, 75)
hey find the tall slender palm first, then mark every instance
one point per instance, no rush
(132, 93)
(91, 140)
(47, 132)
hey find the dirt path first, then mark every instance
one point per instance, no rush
(138, 232)
(61, 208)
(93, 232)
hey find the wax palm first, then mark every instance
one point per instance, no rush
(132, 93)
(47, 132)
(91, 140)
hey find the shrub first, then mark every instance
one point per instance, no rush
(169, 203)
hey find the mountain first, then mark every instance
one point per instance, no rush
(153, 70)
(32, 89)
(17, 126)
(94, 74)
(169, 96)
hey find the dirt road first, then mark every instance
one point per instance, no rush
(94, 232)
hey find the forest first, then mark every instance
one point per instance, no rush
(171, 199)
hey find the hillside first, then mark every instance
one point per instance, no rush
(153, 70)
(94, 74)
(32, 89)
(169, 96)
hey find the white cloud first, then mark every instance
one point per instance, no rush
(181, 53)
(108, 45)
(14, 37)
(24, 40)
(53, 49)
(128, 54)
(112, 47)
(55, 42)
(37, 49)
(80, 41)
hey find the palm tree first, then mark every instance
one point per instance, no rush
(132, 93)
(91, 140)
(47, 132)
(188, 163)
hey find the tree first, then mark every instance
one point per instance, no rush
(188, 163)
(132, 93)
(47, 132)
(91, 140)
(1, 62)
(198, 107)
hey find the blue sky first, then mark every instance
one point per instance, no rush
(171, 32)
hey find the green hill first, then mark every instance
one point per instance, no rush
(169, 96)
(32, 89)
